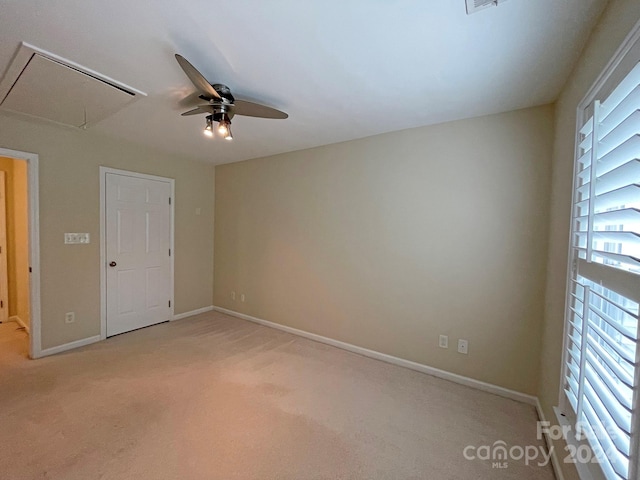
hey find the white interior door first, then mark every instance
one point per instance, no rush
(137, 241)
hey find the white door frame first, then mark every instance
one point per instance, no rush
(103, 240)
(35, 344)
(4, 273)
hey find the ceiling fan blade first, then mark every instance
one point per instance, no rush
(196, 78)
(199, 110)
(190, 101)
(250, 109)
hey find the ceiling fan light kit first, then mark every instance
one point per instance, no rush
(224, 128)
(224, 125)
(222, 105)
(208, 130)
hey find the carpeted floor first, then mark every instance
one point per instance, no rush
(215, 397)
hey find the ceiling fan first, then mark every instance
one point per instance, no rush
(221, 105)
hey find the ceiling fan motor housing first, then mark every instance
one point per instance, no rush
(223, 91)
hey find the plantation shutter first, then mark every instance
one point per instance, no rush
(602, 376)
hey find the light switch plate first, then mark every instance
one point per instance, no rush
(73, 238)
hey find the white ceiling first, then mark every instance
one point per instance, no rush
(340, 69)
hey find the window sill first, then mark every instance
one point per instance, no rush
(577, 450)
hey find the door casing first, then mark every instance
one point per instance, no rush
(4, 274)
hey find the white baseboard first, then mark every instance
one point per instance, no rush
(97, 338)
(555, 462)
(69, 346)
(19, 321)
(436, 372)
(180, 316)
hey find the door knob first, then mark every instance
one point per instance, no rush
(112, 264)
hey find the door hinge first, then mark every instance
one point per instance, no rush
(29, 269)
(169, 303)
(169, 200)
(0, 249)
(169, 252)
(1, 304)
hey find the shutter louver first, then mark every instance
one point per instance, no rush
(602, 357)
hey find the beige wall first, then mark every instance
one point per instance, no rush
(615, 23)
(389, 241)
(17, 237)
(69, 202)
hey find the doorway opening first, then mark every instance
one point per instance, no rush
(19, 254)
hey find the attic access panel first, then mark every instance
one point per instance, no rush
(42, 85)
(474, 6)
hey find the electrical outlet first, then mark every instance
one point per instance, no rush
(233, 295)
(242, 297)
(69, 317)
(443, 342)
(463, 346)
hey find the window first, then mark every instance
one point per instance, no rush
(601, 376)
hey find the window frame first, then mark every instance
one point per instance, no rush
(610, 77)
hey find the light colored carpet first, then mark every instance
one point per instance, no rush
(214, 397)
